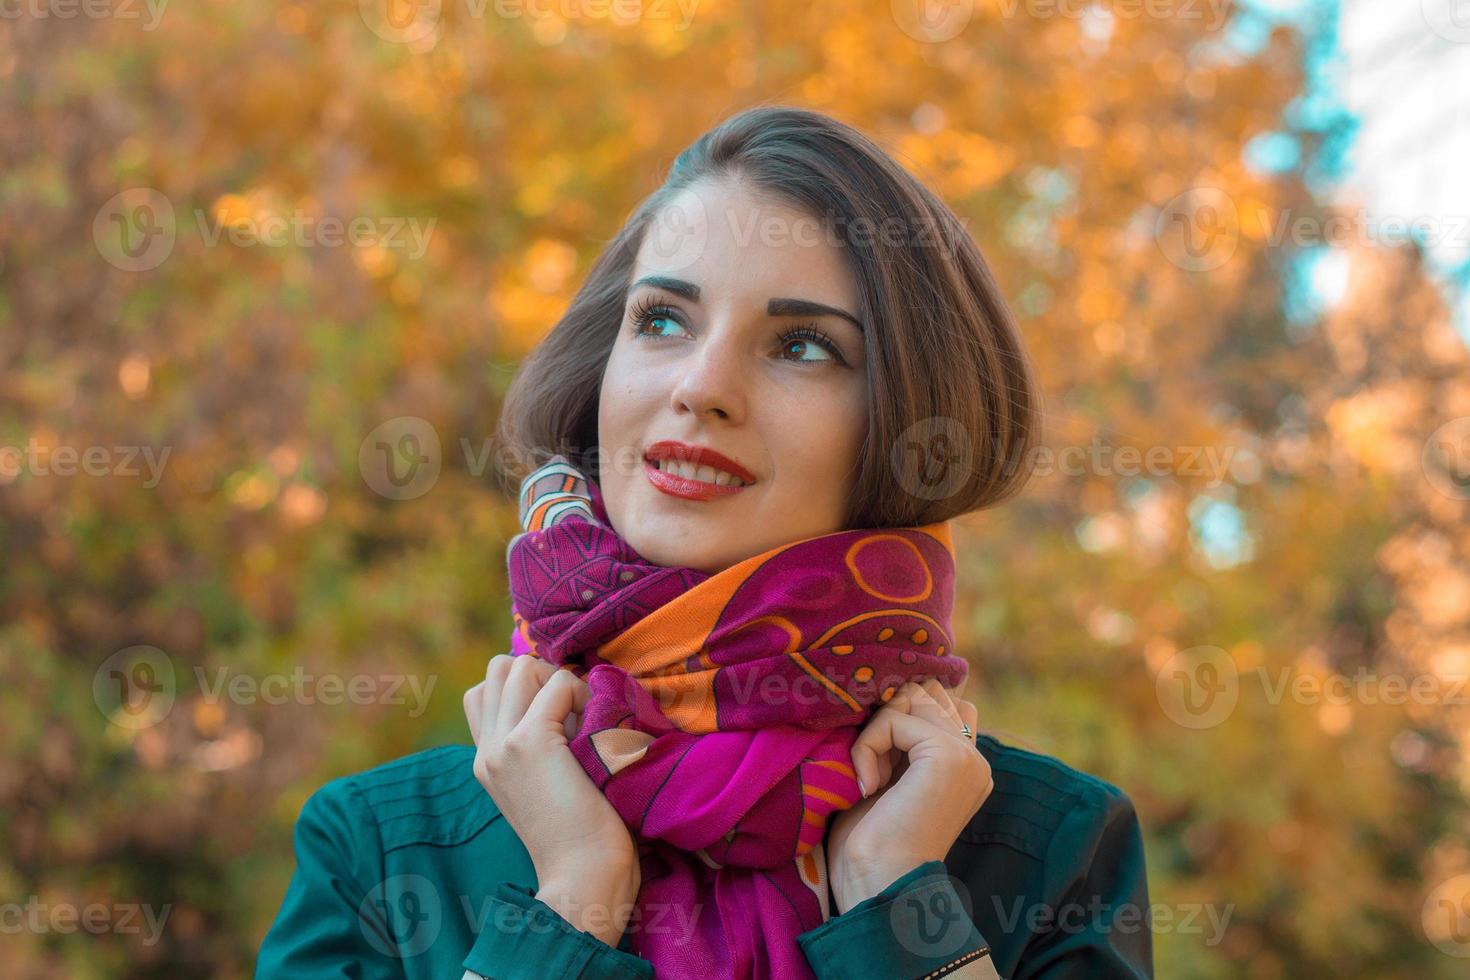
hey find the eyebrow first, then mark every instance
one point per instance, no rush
(775, 307)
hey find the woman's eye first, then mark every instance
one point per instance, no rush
(807, 347)
(653, 323)
(808, 340)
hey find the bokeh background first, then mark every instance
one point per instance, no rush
(266, 269)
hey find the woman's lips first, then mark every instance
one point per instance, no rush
(686, 489)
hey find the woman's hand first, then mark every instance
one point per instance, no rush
(925, 781)
(522, 717)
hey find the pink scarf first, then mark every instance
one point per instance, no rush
(724, 707)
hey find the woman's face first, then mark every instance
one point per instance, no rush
(741, 338)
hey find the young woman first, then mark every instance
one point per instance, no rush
(729, 738)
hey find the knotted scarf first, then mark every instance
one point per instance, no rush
(724, 707)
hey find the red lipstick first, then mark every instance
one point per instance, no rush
(683, 487)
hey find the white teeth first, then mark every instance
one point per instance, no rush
(705, 474)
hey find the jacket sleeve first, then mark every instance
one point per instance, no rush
(526, 939)
(916, 927)
(327, 927)
(1099, 928)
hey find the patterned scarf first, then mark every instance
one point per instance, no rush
(724, 707)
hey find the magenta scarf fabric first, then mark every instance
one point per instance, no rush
(724, 707)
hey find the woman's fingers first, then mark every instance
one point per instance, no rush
(555, 704)
(892, 731)
(489, 693)
(472, 699)
(915, 712)
(481, 701)
(526, 677)
(936, 698)
(970, 714)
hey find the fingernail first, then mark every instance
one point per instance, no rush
(862, 787)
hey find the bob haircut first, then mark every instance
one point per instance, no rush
(953, 410)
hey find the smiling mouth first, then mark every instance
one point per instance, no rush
(688, 481)
(703, 473)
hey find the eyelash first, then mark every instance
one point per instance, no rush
(648, 309)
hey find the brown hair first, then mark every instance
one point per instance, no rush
(947, 372)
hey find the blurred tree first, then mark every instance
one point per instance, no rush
(169, 282)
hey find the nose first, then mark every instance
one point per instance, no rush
(712, 380)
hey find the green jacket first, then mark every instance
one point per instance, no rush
(408, 871)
